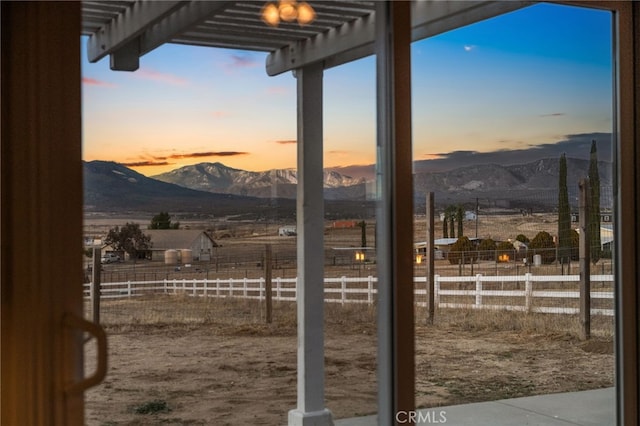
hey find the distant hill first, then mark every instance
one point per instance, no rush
(276, 183)
(521, 185)
(110, 186)
(531, 185)
(222, 191)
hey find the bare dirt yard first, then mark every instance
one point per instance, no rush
(178, 360)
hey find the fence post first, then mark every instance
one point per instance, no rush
(95, 285)
(129, 288)
(267, 283)
(205, 287)
(369, 289)
(585, 260)
(231, 287)
(278, 288)
(478, 290)
(436, 290)
(244, 287)
(195, 292)
(430, 258)
(343, 292)
(528, 291)
(261, 292)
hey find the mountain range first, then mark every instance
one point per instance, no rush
(220, 190)
(500, 185)
(276, 183)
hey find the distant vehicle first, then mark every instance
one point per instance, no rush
(109, 258)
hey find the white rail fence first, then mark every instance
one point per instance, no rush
(516, 292)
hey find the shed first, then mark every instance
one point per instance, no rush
(287, 231)
(199, 242)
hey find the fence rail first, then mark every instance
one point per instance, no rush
(482, 293)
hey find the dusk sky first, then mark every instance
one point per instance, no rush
(528, 78)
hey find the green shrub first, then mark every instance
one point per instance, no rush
(543, 245)
(462, 250)
(487, 249)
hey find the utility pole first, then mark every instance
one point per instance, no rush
(477, 208)
(585, 260)
(430, 259)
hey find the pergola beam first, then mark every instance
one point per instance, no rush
(146, 26)
(127, 27)
(354, 40)
(190, 15)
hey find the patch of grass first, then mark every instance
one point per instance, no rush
(152, 407)
(551, 325)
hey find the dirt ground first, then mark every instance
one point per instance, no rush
(229, 368)
(181, 361)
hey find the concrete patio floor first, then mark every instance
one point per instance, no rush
(587, 408)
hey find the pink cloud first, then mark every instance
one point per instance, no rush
(89, 81)
(146, 163)
(219, 114)
(208, 154)
(149, 74)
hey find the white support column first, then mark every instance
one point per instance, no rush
(396, 364)
(310, 226)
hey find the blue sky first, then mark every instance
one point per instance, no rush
(527, 78)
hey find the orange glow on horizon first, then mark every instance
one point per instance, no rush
(431, 157)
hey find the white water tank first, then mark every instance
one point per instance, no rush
(170, 257)
(537, 260)
(186, 256)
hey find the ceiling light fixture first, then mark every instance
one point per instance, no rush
(288, 11)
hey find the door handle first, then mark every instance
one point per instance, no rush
(74, 321)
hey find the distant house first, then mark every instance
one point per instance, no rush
(519, 245)
(441, 246)
(287, 231)
(199, 242)
(338, 224)
(468, 215)
(606, 237)
(605, 217)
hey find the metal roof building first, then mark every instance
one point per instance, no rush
(199, 242)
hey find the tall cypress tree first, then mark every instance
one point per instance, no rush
(452, 224)
(459, 219)
(445, 227)
(564, 214)
(594, 212)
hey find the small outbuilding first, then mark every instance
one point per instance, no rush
(287, 231)
(197, 244)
